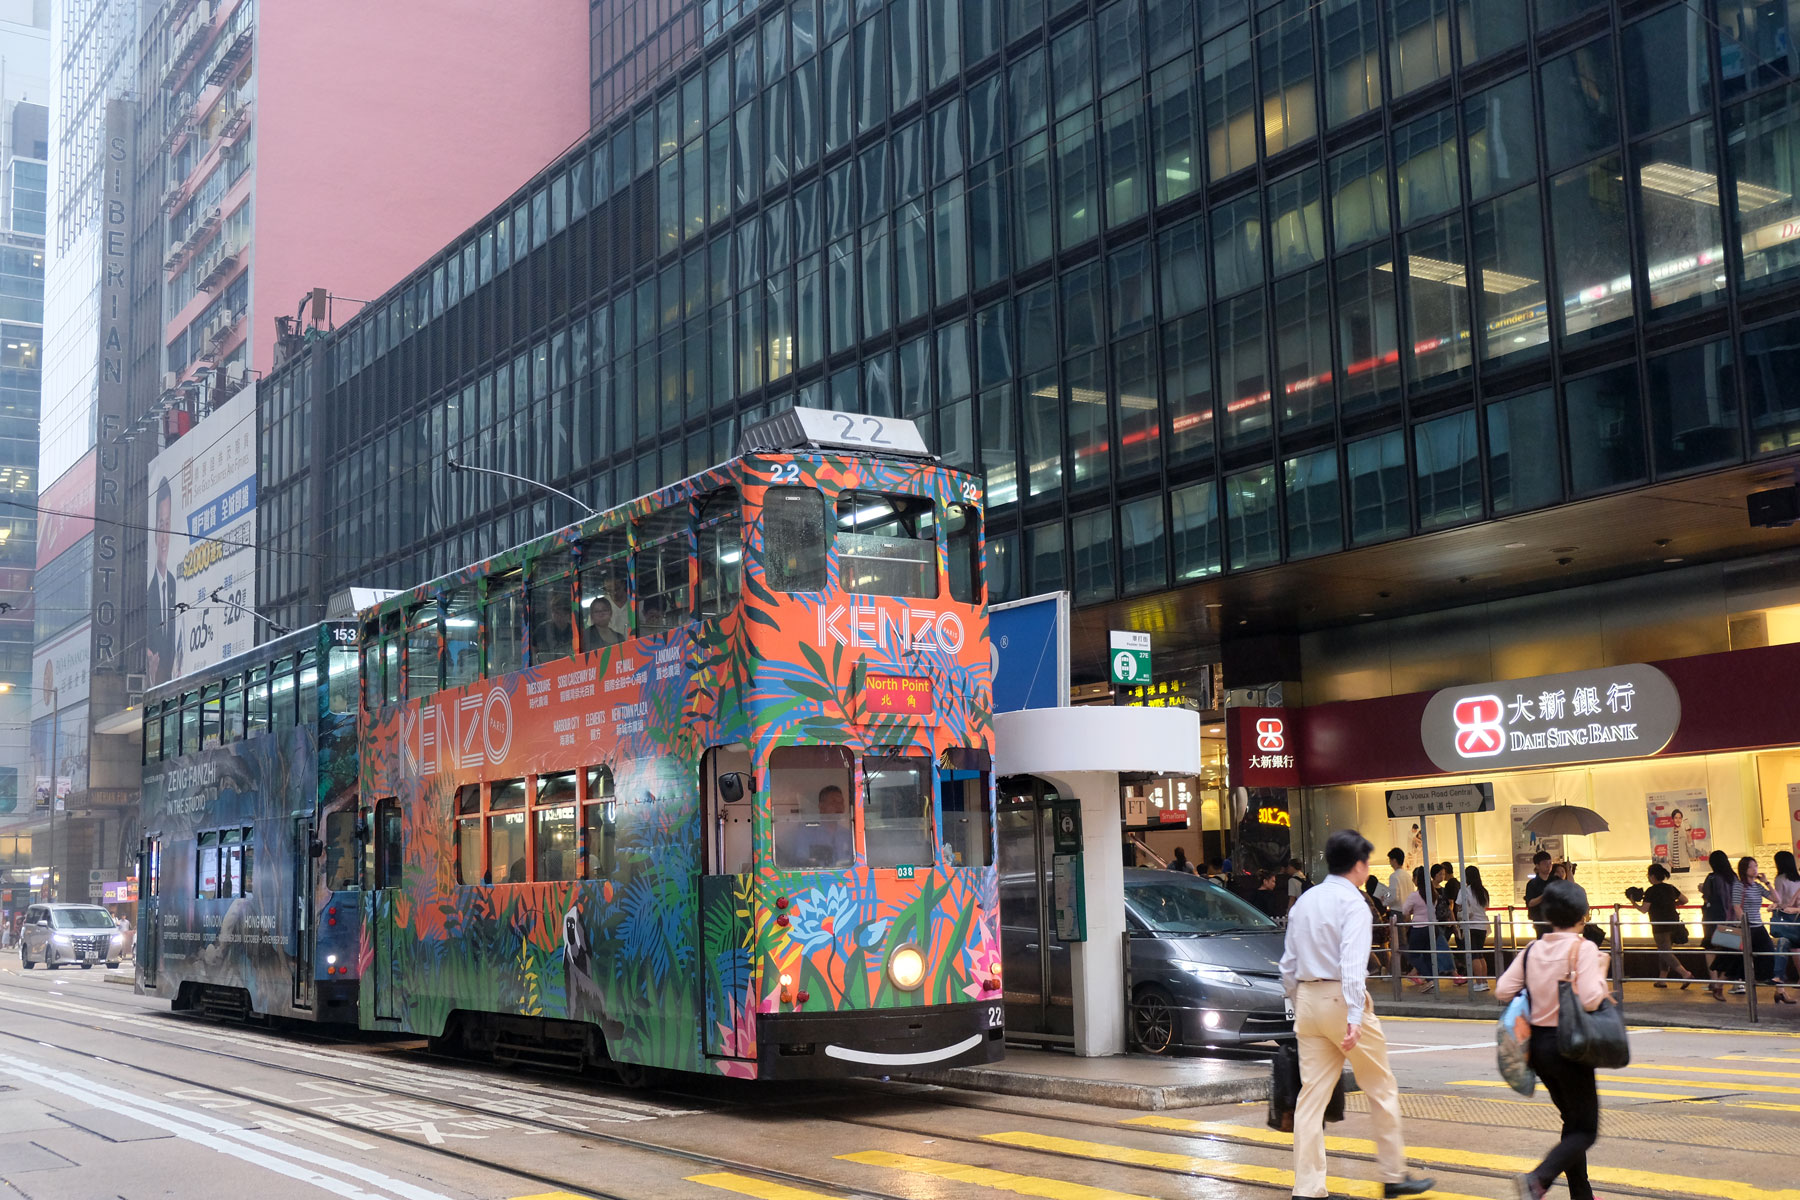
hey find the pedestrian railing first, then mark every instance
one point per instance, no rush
(1718, 956)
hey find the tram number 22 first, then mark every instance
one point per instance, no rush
(996, 1016)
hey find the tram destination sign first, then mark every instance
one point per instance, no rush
(1627, 711)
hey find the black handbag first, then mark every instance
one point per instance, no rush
(1593, 1039)
(1284, 1090)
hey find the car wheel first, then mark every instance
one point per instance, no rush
(25, 963)
(1153, 1020)
(112, 966)
(87, 966)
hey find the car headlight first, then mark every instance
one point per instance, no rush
(1210, 973)
(118, 939)
(61, 939)
(906, 968)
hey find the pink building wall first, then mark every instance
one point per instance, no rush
(384, 130)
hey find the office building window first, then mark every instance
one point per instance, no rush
(1194, 531)
(1359, 197)
(1606, 430)
(1578, 88)
(1252, 530)
(1500, 134)
(1314, 508)
(1368, 374)
(1143, 545)
(1764, 137)
(1352, 59)
(1427, 168)
(1437, 301)
(1303, 351)
(1418, 43)
(1593, 261)
(1045, 556)
(1509, 275)
(1771, 364)
(1667, 67)
(1677, 179)
(1091, 535)
(1378, 506)
(1285, 53)
(1693, 408)
(1489, 26)
(1447, 467)
(1187, 387)
(1523, 453)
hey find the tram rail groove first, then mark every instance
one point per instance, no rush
(937, 1094)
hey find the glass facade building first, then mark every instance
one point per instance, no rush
(1200, 287)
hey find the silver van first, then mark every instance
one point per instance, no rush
(55, 934)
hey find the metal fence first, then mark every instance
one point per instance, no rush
(1715, 962)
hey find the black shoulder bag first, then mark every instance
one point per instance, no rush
(1593, 1039)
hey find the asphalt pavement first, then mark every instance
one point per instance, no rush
(104, 1093)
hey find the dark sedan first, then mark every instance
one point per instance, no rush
(1205, 965)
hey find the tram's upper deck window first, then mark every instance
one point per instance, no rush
(887, 545)
(794, 539)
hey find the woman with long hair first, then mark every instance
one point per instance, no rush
(1747, 898)
(1784, 921)
(1473, 912)
(1715, 910)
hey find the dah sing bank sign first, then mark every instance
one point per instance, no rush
(1582, 716)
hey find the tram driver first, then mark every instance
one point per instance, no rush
(825, 842)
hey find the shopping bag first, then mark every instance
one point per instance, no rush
(1512, 1040)
(1284, 1090)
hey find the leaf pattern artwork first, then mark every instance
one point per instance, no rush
(676, 965)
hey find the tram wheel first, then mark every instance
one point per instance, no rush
(1153, 1020)
(635, 1076)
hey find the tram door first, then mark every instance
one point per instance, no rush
(388, 859)
(303, 938)
(726, 795)
(1040, 995)
(149, 926)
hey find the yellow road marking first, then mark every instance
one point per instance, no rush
(1720, 1071)
(552, 1196)
(762, 1189)
(1656, 1181)
(1711, 1085)
(1189, 1164)
(1794, 1062)
(1766, 1104)
(1616, 1093)
(1773, 1033)
(1006, 1181)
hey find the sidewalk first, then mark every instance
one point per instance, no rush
(1645, 1005)
(1146, 1082)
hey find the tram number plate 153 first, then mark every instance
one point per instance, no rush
(903, 872)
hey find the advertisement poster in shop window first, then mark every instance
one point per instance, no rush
(1680, 828)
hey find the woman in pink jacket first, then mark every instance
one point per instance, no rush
(1561, 954)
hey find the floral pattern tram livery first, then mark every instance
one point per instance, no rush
(705, 780)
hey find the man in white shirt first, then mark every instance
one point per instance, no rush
(1324, 969)
(1400, 882)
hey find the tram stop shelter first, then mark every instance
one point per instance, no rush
(1080, 753)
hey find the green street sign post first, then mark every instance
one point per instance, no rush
(1130, 657)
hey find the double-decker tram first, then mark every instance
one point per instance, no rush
(248, 901)
(701, 783)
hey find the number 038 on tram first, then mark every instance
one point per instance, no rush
(701, 783)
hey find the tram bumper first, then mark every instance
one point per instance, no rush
(878, 1042)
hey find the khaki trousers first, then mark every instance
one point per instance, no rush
(1321, 1020)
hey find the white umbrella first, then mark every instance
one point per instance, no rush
(1566, 820)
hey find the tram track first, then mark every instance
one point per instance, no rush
(229, 1042)
(697, 1158)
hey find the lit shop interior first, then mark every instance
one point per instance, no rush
(1737, 802)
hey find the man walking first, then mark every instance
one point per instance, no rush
(1324, 970)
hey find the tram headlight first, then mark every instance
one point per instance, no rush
(906, 968)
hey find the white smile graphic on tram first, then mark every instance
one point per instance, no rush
(917, 1059)
(859, 625)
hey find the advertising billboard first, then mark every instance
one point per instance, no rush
(202, 519)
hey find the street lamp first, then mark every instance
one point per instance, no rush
(458, 465)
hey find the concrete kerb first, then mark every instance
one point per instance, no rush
(1253, 1084)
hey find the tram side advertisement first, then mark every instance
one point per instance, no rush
(227, 864)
